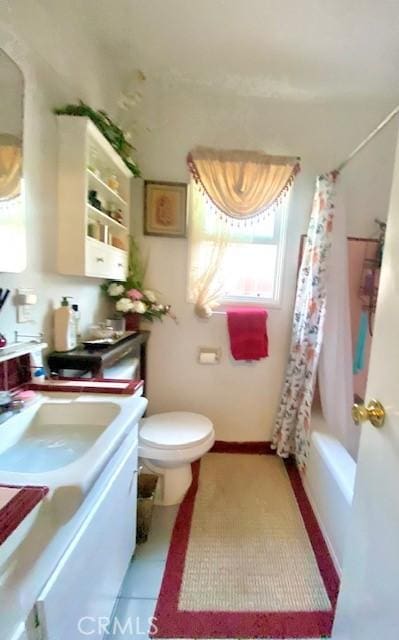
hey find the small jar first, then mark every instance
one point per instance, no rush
(113, 182)
(118, 216)
(111, 208)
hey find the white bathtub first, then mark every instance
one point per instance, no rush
(329, 480)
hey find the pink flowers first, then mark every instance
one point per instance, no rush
(134, 294)
(130, 298)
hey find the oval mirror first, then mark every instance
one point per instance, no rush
(12, 214)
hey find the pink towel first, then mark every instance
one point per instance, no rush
(248, 333)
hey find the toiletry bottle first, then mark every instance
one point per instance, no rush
(38, 373)
(76, 317)
(64, 327)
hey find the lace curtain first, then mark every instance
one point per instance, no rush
(206, 252)
(238, 186)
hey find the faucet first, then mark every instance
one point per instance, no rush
(9, 406)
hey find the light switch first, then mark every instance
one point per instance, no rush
(26, 299)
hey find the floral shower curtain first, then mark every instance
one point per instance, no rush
(292, 430)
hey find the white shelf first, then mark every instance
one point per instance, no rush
(103, 185)
(100, 243)
(100, 216)
(78, 253)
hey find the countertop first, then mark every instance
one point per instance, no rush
(15, 504)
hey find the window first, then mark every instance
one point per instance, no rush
(250, 267)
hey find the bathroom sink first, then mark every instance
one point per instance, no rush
(64, 443)
(53, 436)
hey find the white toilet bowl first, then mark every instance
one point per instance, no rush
(168, 444)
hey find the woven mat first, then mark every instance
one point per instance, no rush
(247, 558)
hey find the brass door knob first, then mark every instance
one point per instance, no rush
(374, 412)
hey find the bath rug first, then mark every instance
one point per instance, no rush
(247, 558)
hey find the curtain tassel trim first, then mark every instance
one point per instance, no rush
(236, 220)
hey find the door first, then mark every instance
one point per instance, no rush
(368, 604)
(79, 597)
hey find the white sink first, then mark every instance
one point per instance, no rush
(64, 443)
(53, 436)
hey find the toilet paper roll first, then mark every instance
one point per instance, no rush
(208, 357)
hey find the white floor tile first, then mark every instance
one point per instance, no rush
(143, 579)
(132, 619)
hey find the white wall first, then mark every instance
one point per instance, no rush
(366, 183)
(241, 399)
(60, 64)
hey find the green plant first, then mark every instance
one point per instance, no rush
(137, 267)
(108, 128)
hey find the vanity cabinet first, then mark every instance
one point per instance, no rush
(83, 588)
(93, 203)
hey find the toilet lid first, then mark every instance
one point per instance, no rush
(175, 430)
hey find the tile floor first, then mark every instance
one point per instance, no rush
(141, 587)
(139, 593)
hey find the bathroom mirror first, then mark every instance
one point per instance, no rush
(12, 215)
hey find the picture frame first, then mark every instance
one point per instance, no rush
(165, 209)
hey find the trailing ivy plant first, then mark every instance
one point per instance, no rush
(109, 129)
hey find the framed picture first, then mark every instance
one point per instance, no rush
(165, 209)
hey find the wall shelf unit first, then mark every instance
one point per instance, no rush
(93, 203)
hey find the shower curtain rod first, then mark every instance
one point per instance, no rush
(371, 135)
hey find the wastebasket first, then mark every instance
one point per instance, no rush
(147, 484)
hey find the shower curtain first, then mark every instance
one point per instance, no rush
(292, 431)
(335, 366)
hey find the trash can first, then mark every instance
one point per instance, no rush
(147, 484)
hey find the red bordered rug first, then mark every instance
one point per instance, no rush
(173, 622)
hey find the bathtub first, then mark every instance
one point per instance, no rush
(329, 481)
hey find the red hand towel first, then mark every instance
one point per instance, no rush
(248, 333)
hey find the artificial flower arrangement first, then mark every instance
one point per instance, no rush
(132, 300)
(132, 297)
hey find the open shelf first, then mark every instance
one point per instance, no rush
(78, 253)
(100, 243)
(93, 179)
(102, 217)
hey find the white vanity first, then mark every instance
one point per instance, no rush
(66, 561)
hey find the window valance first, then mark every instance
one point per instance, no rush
(242, 184)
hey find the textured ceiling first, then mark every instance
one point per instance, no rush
(299, 50)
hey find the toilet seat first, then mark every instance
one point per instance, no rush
(175, 430)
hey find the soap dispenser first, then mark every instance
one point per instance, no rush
(64, 327)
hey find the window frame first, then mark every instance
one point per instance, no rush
(280, 240)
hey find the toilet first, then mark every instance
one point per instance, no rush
(168, 444)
